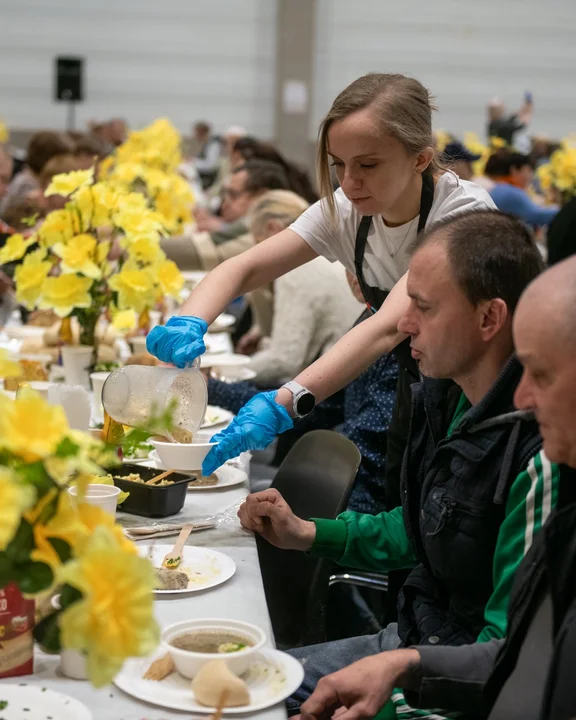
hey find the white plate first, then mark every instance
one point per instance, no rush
(218, 343)
(236, 374)
(216, 416)
(208, 567)
(228, 475)
(272, 678)
(222, 322)
(223, 360)
(34, 702)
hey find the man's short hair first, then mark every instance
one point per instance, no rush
(264, 175)
(492, 254)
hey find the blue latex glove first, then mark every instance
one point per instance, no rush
(254, 428)
(179, 342)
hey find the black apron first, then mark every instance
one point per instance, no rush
(408, 373)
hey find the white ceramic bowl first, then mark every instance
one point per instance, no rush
(183, 456)
(24, 332)
(188, 663)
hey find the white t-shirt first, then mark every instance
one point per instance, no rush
(386, 255)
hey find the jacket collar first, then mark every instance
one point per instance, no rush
(495, 408)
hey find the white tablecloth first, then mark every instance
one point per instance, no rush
(241, 598)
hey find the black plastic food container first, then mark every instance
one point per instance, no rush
(149, 500)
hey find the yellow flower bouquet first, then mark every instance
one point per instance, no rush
(47, 540)
(560, 173)
(148, 162)
(101, 251)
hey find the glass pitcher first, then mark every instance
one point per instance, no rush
(135, 393)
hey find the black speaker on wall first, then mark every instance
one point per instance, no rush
(69, 85)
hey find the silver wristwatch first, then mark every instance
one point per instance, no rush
(303, 401)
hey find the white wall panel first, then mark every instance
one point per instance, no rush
(465, 51)
(187, 59)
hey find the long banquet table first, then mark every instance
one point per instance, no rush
(240, 598)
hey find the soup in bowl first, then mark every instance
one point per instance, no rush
(193, 643)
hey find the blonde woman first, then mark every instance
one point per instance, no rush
(378, 137)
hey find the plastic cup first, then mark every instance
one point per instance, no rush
(98, 379)
(138, 344)
(77, 360)
(105, 496)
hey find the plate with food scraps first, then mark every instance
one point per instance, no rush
(223, 321)
(225, 476)
(204, 568)
(34, 702)
(271, 678)
(216, 416)
(209, 360)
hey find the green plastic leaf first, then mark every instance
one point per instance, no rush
(67, 448)
(34, 577)
(47, 633)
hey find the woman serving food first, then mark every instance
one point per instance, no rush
(378, 137)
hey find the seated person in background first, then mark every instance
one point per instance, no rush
(249, 148)
(88, 150)
(6, 165)
(459, 159)
(207, 159)
(205, 250)
(475, 485)
(111, 132)
(530, 674)
(561, 235)
(510, 191)
(363, 410)
(43, 146)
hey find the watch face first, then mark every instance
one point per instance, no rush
(306, 403)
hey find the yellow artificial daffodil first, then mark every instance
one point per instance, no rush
(15, 498)
(67, 183)
(144, 249)
(170, 279)
(4, 134)
(124, 321)
(59, 226)
(74, 523)
(105, 201)
(135, 288)
(30, 277)
(114, 619)
(65, 525)
(15, 248)
(78, 256)
(64, 293)
(9, 368)
(29, 427)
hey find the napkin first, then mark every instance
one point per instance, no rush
(76, 403)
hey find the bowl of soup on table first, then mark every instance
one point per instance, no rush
(193, 643)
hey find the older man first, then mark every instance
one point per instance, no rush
(530, 674)
(475, 486)
(244, 185)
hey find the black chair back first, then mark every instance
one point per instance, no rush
(315, 479)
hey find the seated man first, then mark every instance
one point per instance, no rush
(244, 185)
(530, 674)
(475, 485)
